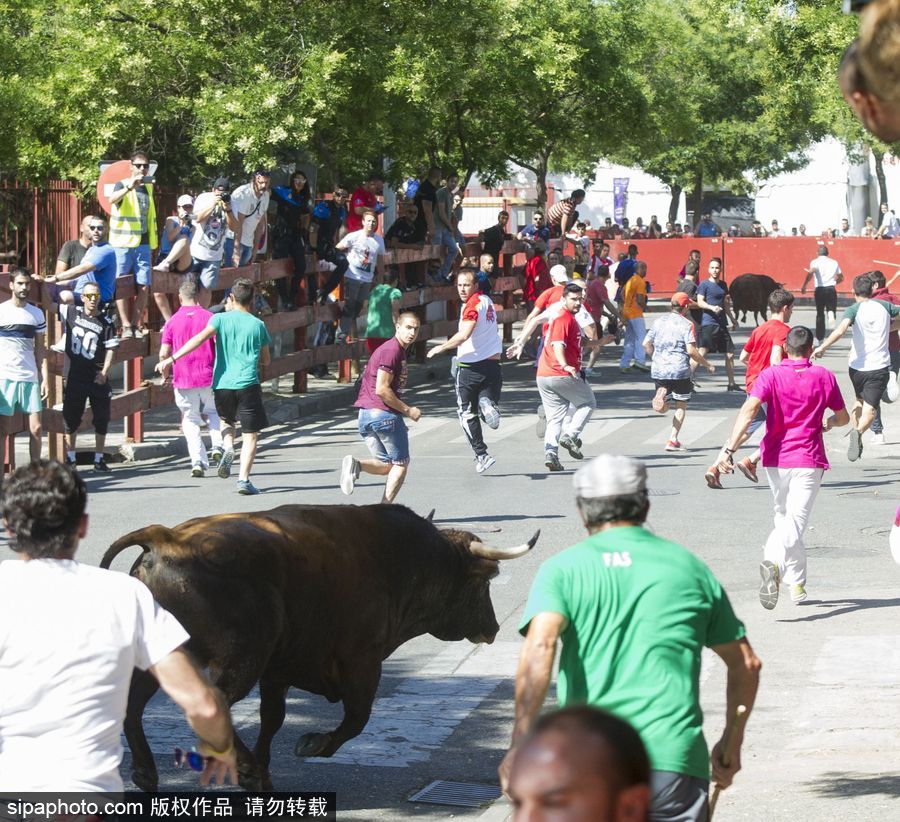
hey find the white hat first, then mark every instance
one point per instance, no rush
(185, 199)
(610, 475)
(582, 284)
(558, 274)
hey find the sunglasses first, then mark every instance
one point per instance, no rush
(90, 296)
(340, 193)
(191, 759)
(97, 227)
(141, 165)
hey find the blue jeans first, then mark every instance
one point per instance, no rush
(246, 253)
(444, 237)
(385, 435)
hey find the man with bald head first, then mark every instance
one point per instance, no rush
(633, 612)
(581, 763)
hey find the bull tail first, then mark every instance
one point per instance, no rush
(149, 538)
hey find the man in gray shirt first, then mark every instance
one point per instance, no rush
(443, 225)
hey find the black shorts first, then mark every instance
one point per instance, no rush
(76, 396)
(870, 385)
(716, 339)
(678, 390)
(244, 405)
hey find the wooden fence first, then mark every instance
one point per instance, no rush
(142, 395)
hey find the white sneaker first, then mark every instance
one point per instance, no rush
(483, 462)
(349, 474)
(489, 412)
(876, 439)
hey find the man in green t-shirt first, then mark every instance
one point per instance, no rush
(633, 612)
(242, 346)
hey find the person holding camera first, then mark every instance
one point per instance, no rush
(175, 244)
(212, 217)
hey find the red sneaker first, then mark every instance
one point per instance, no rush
(712, 478)
(748, 468)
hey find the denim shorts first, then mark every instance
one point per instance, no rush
(134, 261)
(206, 272)
(385, 435)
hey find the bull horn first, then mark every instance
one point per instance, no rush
(430, 515)
(479, 549)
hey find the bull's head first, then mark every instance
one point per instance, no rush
(471, 615)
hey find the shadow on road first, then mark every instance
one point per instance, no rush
(841, 785)
(842, 606)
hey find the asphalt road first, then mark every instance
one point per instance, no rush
(821, 743)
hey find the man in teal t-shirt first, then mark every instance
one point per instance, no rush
(242, 345)
(384, 310)
(633, 612)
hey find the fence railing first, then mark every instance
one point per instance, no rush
(142, 395)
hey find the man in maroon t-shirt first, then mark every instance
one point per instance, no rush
(764, 348)
(381, 413)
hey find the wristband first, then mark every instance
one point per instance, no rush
(729, 451)
(208, 750)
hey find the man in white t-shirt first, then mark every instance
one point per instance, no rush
(365, 255)
(213, 218)
(870, 359)
(479, 377)
(890, 225)
(72, 635)
(828, 276)
(249, 204)
(23, 369)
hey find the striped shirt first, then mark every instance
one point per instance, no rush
(18, 327)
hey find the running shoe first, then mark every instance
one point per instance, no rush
(70, 461)
(855, 448)
(674, 445)
(572, 446)
(712, 478)
(541, 427)
(733, 387)
(876, 439)
(215, 456)
(592, 373)
(197, 470)
(489, 412)
(798, 593)
(659, 401)
(642, 366)
(247, 488)
(101, 466)
(552, 462)
(628, 370)
(748, 468)
(483, 462)
(349, 474)
(225, 464)
(768, 586)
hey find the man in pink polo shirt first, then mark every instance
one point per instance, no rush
(797, 394)
(193, 377)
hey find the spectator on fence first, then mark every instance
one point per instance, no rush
(425, 201)
(581, 244)
(877, 101)
(293, 204)
(384, 310)
(403, 231)
(90, 346)
(868, 230)
(686, 231)
(890, 225)
(493, 238)
(734, 230)
(444, 229)
(654, 229)
(364, 199)
(99, 265)
(249, 204)
(537, 274)
(706, 227)
(242, 347)
(757, 230)
(485, 276)
(536, 231)
(844, 230)
(212, 217)
(365, 255)
(24, 378)
(457, 219)
(801, 230)
(327, 219)
(192, 378)
(133, 234)
(72, 636)
(175, 241)
(562, 215)
(599, 257)
(73, 251)
(775, 232)
(670, 233)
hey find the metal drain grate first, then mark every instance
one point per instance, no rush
(460, 794)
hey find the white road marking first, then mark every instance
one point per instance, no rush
(696, 427)
(508, 427)
(598, 429)
(425, 709)
(428, 424)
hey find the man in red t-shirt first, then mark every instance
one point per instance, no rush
(365, 198)
(537, 275)
(561, 382)
(764, 348)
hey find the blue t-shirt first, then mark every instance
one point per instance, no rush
(707, 230)
(625, 270)
(103, 257)
(714, 293)
(532, 233)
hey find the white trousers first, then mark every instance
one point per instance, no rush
(192, 402)
(794, 492)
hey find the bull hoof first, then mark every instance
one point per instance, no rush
(311, 744)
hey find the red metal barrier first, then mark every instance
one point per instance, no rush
(785, 259)
(664, 258)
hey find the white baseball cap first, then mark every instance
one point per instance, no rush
(185, 199)
(610, 475)
(559, 275)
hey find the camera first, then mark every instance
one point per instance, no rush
(225, 196)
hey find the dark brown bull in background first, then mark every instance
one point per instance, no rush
(311, 597)
(750, 292)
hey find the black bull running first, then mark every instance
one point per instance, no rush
(311, 597)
